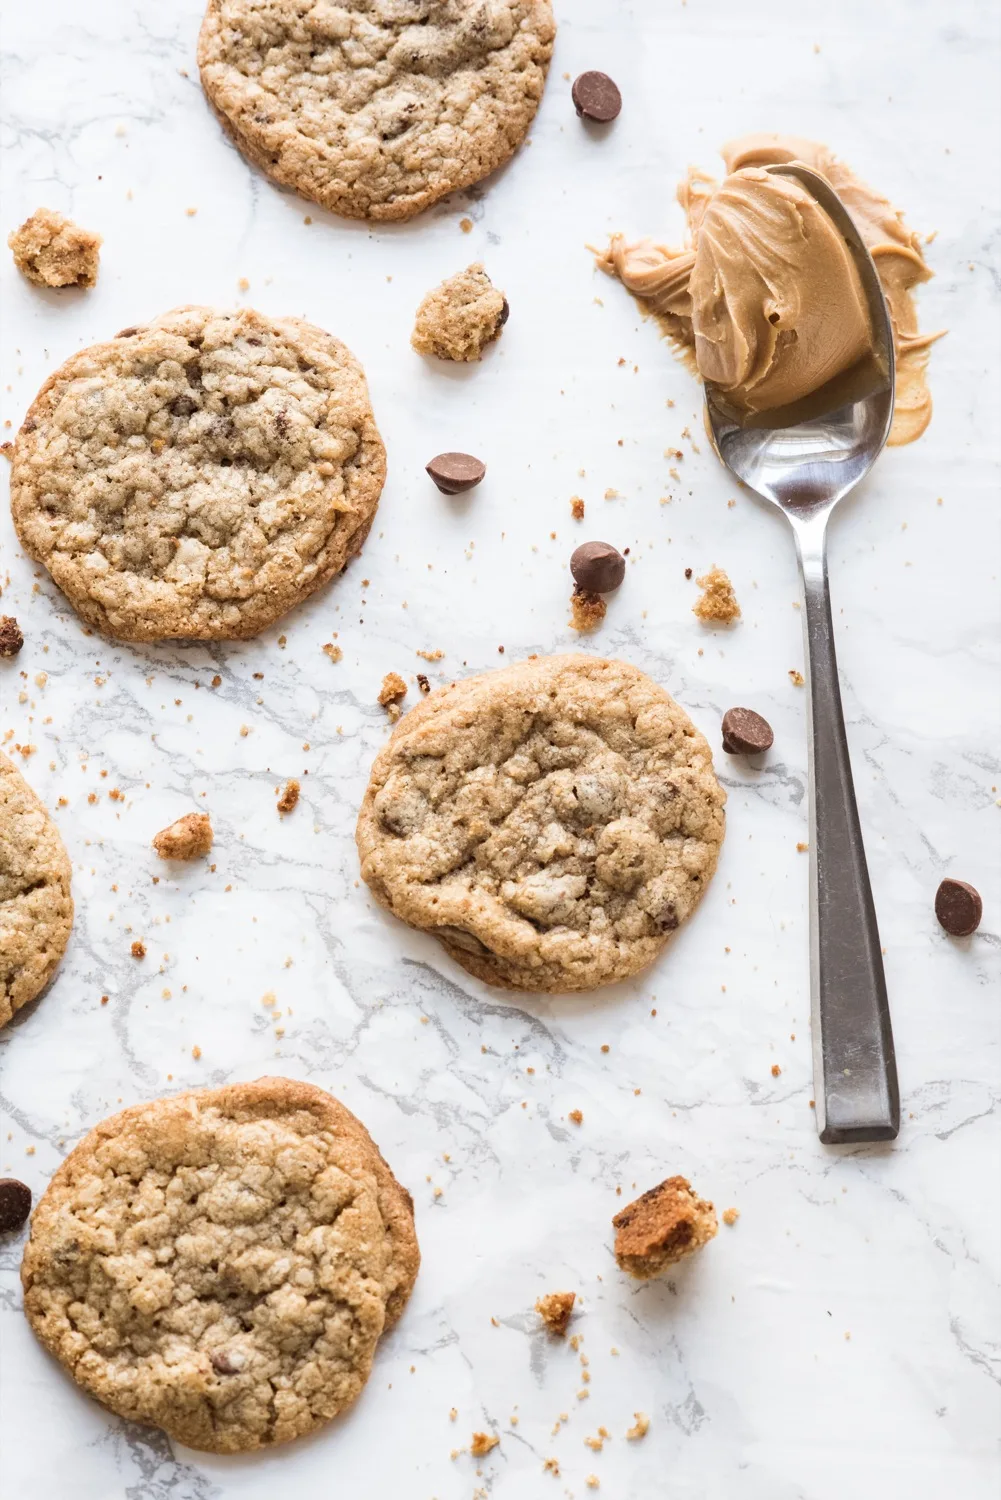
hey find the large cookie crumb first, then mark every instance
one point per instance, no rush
(11, 636)
(189, 837)
(718, 603)
(51, 250)
(587, 610)
(460, 317)
(661, 1227)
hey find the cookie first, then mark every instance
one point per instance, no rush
(376, 110)
(551, 823)
(36, 908)
(51, 250)
(199, 476)
(223, 1263)
(459, 318)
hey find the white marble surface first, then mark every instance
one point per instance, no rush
(843, 1338)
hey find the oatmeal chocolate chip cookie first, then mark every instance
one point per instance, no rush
(223, 1263)
(552, 823)
(198, 476)
(36, 908)
(376, 108)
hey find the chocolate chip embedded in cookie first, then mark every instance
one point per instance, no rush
(36, 908)
(661, 1227)
(223, 1263)
(552, 823)
(200, 475)
(376, 111)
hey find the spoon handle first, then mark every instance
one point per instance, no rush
(854, 1064)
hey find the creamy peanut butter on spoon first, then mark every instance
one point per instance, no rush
(767, 299)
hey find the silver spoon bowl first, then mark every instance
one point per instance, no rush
(804, 469)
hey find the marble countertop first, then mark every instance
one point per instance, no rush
(844, 1336)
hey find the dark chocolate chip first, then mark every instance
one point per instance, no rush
(745, 732)
(598, 567)
(183, 406)
(958, 907)
(15, 1204)
(688, 572)
(126, 333)
(505, 313)
(225, 1363)
(11, 636)
(454, 473)
(666, 919)
(423, 683)
(596, 97)
(459, 938)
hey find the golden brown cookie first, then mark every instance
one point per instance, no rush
(376, 110)
(551, 823)
(459, 318)
(200, 475)
(223, 1263)
(36, 908)
(661, 1227)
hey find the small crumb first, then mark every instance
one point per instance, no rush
(593, 1482)
(718, 602)
(453, 1413)
(334, 652)
(393, 690)
(11, 637)
(423, 683)
(776, 1070)
(796, 678)
(576, 1116)
(641, 1428)
(483, 1443)
(802, 848)
(189, 837)
(551, 1466)
(244, 731)
(196, 1053)
(431, 655)
(587, 610)
(289, 796)
(465, 225)
(138, 949)
(555, 1309)
(730, 1216)
(243, 284)
(577, 507)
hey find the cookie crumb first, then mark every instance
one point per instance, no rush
(289, 796)
(587, 610)
(138, 949)
(730, 1216)
(796, 678)
(431, 655)
(776, 1070)
(641, 1428)
(423, 683)
(662, 1226)
(393, 690)
(465, 225)
(552, 1466)
(593, 1482)
(334, 652)
(51, 250)
(189, 837)
(718, 602)
(11, 637)
(577, 507)
(555, 1310)
(483, 1443)
(459, 318)
(576, 1116)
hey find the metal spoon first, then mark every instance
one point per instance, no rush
(805, 469)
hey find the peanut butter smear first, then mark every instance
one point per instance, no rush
(765, 299)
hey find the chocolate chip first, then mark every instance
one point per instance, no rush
(745, 732)
(598, 567)
(596, 97)
(183, 406)
(126, 333)
(15, 1204)
(423, 683)
(688, 572)
(226, 1363)
(666, 919)
(958, 907)
(505, 313)
(11, 636)
(454, 473)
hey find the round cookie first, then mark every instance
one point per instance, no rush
(376, 110)
(198, 476)
(36, 908)
(222, 1264)
(552, 823)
